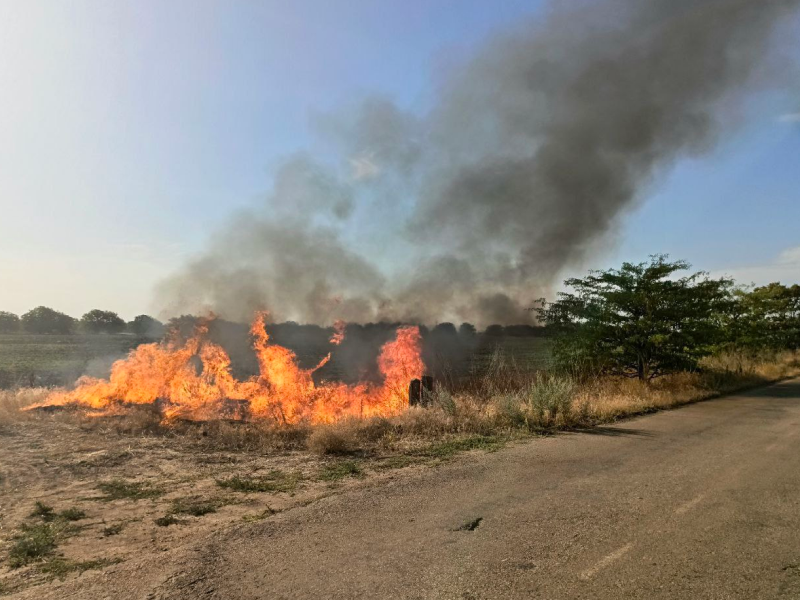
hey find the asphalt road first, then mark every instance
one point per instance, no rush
(699, 502)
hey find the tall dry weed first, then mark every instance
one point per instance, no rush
(13, 401)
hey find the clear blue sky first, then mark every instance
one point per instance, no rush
(128, 129)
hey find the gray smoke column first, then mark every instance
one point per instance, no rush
(532, 152)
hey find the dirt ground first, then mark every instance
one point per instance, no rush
(697, 502)
(142, 494)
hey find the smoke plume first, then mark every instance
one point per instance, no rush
(531, 154)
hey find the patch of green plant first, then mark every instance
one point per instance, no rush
(72, 514)
(448, 448)
(43, 511)
(167, 520)
(36, 541)
(340, 470)
(119, 489)
(32, 543)
(48, 515)
(274, 481)
(115, 529)
(194, 507)
(61, 567)
(396, 462)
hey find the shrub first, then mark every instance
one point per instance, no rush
(547, 398)
(336, 438)
(34, 542)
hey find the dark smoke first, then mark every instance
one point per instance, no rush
(533, 152)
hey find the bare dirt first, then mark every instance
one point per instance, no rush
(698, 502)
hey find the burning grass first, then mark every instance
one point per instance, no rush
(192, 380)
(476, 413)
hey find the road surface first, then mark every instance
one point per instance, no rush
(699, 502)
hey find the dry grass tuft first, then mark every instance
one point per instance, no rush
(13, 401)
(334, 438)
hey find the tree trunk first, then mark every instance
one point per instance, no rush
(643, 369)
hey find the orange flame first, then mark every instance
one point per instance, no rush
(194, 381)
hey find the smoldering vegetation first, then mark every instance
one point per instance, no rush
(532, 152)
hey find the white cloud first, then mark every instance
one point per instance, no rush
(784, 268)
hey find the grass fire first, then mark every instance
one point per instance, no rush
(165, 375)
(385, 299)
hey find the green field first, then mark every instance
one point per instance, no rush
(27, 359)
(524, 353)
(48, 360)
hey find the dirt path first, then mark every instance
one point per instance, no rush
(700, 502)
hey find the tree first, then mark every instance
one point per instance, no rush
(639, 320)
(46, 320)
(467, 330)
(764, 318)
(102, 321)
(774, 314)
(444, 330)
(146, 326)
(9, 322)
(495, 331)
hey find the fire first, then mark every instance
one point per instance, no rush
(193, 380)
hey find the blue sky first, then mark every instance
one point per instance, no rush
(129, 130)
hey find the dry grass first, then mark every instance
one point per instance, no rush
(13, 401)
(506, 402)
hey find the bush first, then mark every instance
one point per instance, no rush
(34, 542)
(336, 438)
(551, 396)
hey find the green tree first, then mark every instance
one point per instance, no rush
(766, 318)
(9, 322)
(46, 320)
(639, 320)
(146, 326)
(102, 321)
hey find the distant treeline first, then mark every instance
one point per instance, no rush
(45, 320)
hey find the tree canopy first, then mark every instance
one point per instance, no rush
(46, 320)
(639, 320)
(146, 326)
(102, 321)
(9, 322)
